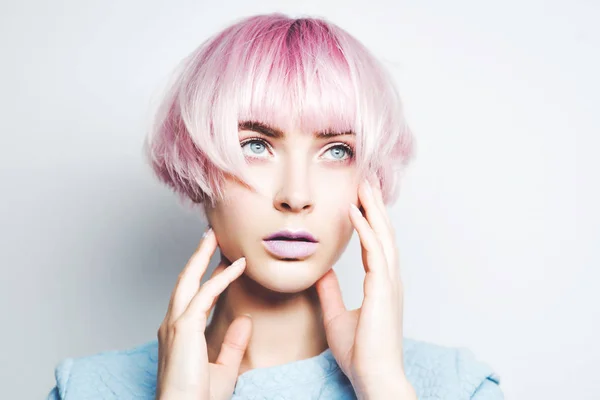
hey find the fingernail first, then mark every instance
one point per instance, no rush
(239, 261)
(368, 186)
(248, 315)
(206, 232)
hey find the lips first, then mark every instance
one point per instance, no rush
(288, 244)
(292, 235)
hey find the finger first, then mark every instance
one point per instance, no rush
(189, 279)
(376, 186)
(235, 343)
(373, 256)
(384, 230)
(330, 296)
(377, 191)
(211, 289)
(390, 240)
(376, 211)
(220, 268)
(376, 218)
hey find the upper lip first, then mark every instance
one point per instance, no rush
(288, 234)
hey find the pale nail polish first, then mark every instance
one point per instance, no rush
(239, 262)
(368, 186)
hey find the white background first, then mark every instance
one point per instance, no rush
(496, 222)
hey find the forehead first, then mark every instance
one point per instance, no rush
(309, 109)
(292, 82)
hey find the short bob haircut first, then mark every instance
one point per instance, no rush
(304, 73)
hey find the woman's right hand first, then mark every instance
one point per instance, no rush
(184, 371)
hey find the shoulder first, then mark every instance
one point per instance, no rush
(435, 372)
(117, 374)
(449, 373)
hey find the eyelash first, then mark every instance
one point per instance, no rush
(345, 146)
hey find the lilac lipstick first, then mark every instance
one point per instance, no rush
(291, 244)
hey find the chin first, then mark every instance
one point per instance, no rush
(283, 276)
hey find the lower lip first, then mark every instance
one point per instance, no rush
(290, 248)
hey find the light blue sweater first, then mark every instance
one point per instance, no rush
(436, 372)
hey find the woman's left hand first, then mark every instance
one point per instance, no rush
(367, 342)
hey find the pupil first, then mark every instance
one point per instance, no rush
(257, 147)
(338, 153)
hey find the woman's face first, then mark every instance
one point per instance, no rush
(303, 184)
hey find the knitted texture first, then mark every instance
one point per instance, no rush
(436, 372)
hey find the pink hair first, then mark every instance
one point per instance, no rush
(304, 73)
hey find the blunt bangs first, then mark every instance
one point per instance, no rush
(304, 74)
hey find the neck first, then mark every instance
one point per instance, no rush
(285, 327)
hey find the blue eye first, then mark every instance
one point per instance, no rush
(339, 152)
(254, 148)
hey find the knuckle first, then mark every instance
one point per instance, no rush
(180, 278)
(231, 345)
(162, 329)
(178, 326)
(210, 288)
(186, 324)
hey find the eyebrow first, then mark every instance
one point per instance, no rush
(275, 133)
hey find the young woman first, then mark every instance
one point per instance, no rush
(288, 135)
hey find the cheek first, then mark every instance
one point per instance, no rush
(334, 198)
(236, 207)
(235, 217)
(337, 191)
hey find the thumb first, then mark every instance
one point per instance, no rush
(330, 296)
(235, 343)
(220, 268)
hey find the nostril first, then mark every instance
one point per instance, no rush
(293, 206)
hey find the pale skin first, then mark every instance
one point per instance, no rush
(295, 307)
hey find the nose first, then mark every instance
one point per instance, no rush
(294, 192)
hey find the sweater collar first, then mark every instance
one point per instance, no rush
(295, 373)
